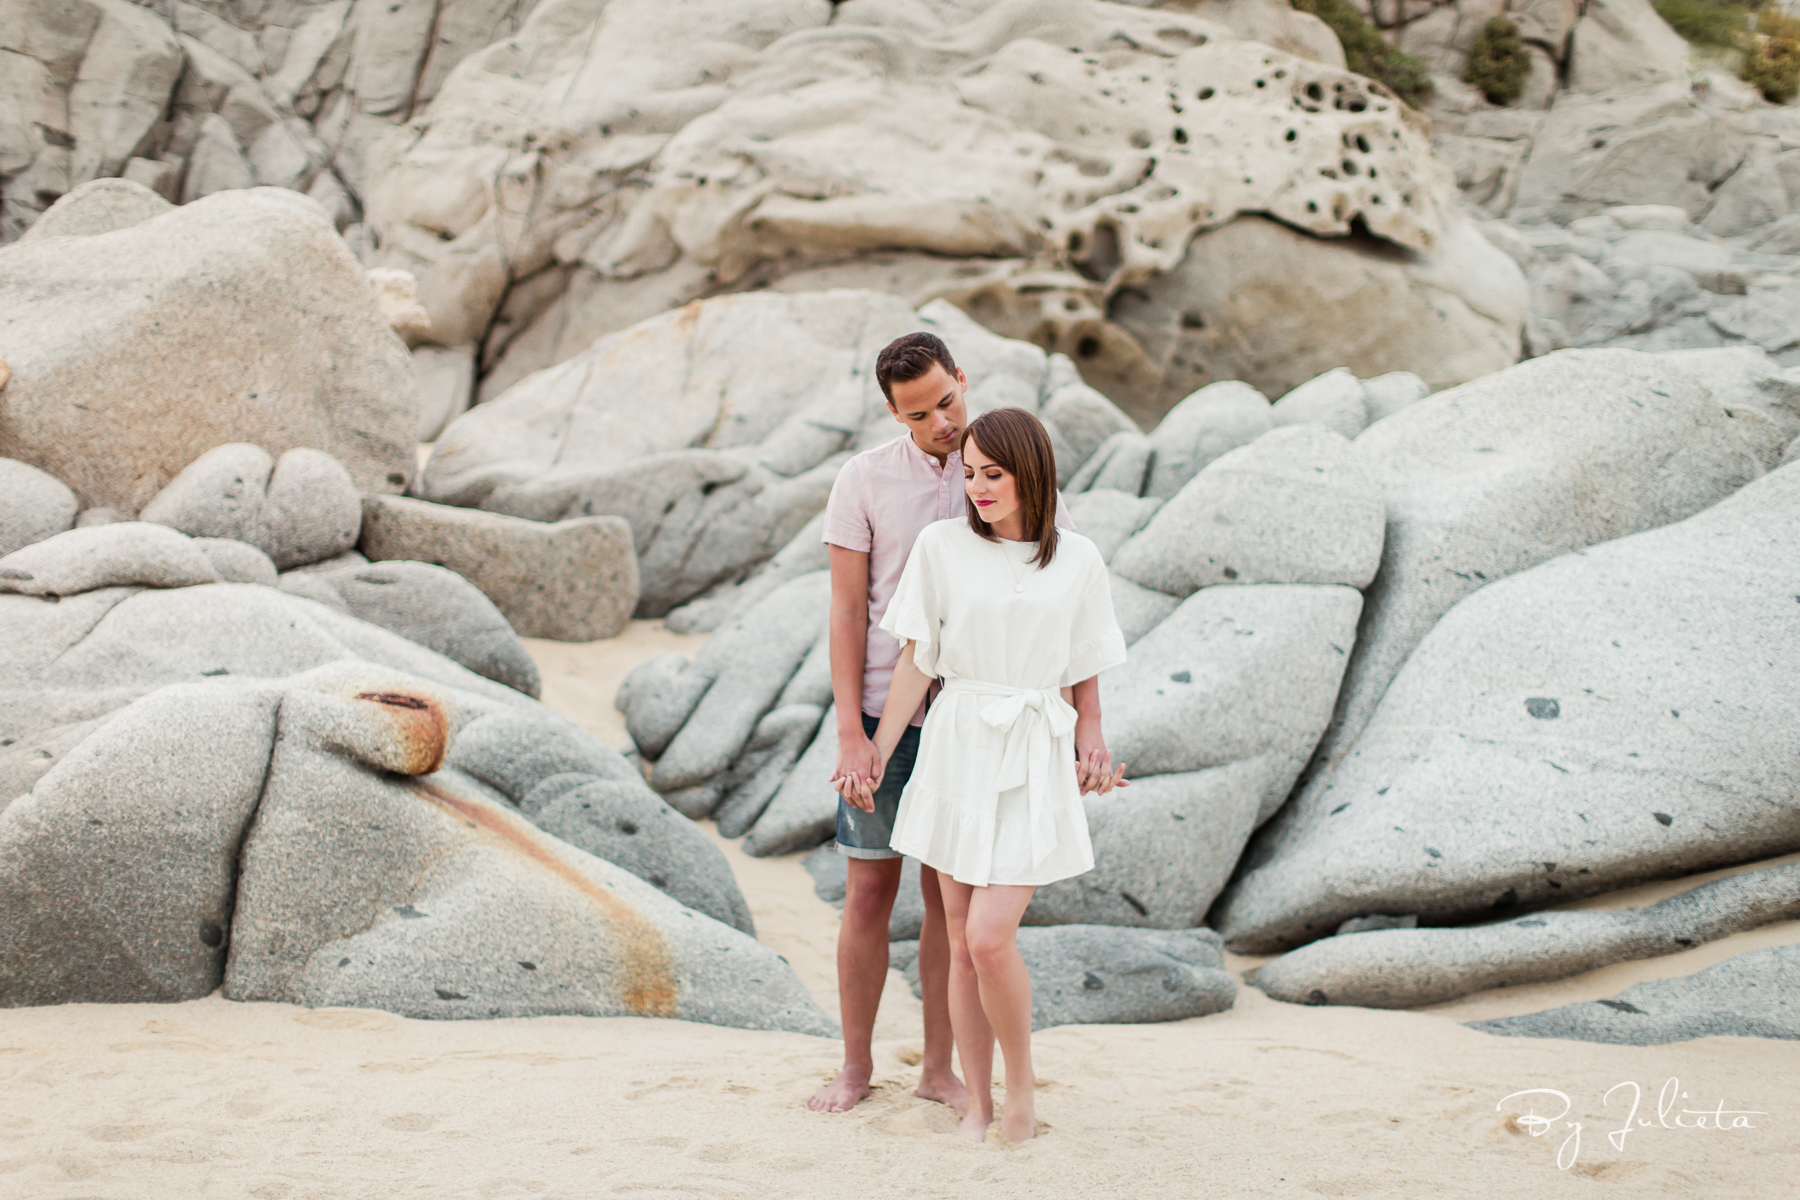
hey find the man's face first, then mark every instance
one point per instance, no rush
(931, 407)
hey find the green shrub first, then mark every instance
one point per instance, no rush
(1367, 53)
(1704, 22)
(1498, 62)
(1772, 56)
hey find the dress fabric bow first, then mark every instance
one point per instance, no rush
(1031, 719)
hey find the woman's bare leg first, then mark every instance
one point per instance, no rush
(974, 1037)
(990, 928)
(937, 1078)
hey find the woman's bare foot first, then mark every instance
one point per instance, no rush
(842, 1094)
(1018, 1120)
(944, 1089)
(978, 1114)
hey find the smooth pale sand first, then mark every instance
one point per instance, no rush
(216, 1099)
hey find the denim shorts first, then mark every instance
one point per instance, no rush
(866, 834)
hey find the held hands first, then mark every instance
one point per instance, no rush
(1094, 771)
(859, 768)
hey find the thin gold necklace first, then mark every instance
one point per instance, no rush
(1018, 578)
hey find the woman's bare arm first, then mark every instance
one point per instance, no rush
(905, 694)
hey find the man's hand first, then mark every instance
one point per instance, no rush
(859, 768)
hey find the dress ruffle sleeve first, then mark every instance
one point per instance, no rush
(1095, 640)
(916, 614)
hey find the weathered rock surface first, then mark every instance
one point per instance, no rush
(125, 554)
(735, 679)
(1751, 995)
(261, 327)
(463, 908)
(1108, 517)
(237, 562)
(1404, 968)
(98, 206)
(1098, 975)
(430, 605)
(1293, 506)
(1595, 720)
(1334, 400)
(37, 506)
(1217, 419)
(573, 580)
(1260, 301)
(1490, 478)
(301, 510)
(1076, 147)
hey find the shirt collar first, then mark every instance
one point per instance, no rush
(930, 460)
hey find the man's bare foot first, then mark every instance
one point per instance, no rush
(944, 1089)
(978, 1114)
(1018, 1120)
(842, 1094)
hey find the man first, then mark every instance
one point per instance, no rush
(881, 500)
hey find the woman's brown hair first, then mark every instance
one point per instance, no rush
(1018, 443)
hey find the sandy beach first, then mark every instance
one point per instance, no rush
(217, 1099)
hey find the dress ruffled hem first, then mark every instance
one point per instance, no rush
(963, 838)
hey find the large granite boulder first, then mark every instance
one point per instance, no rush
(418, 791)
(1291, 507)
(1751, 995)
(1615, 715)
(573, 580)
(1490, 478)
(261, 327)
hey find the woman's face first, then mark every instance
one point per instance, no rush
(991, 486)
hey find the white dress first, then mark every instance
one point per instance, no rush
(993, 797)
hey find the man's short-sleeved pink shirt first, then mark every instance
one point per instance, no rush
(880, 502)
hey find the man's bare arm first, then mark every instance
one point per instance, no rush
(904, 696)
(849, 654)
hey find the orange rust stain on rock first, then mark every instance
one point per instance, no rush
(650, 987)
(417, 723)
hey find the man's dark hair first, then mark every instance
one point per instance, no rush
(910, 357)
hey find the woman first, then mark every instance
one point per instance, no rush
(1009, 614)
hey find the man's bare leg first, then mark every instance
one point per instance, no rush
(974, 1036)
(991, 932)
(937, 1078)
(870, 886)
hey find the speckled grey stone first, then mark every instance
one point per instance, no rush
(1385, 395)
(1291, 507)
(1121, 463)
(750, 662)
(433, 898)
(1612, 716)
(1404, 968)
(434, 607)
(803, 811)
(1218, 418)
(1487, 479)
(1334, 400)
(37, 505)
(130, 553)
(238, 562)
(1756, 994)
(577, 788)
(572, 581)
(1107, 516)
(1138, 609)
(117, 868)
